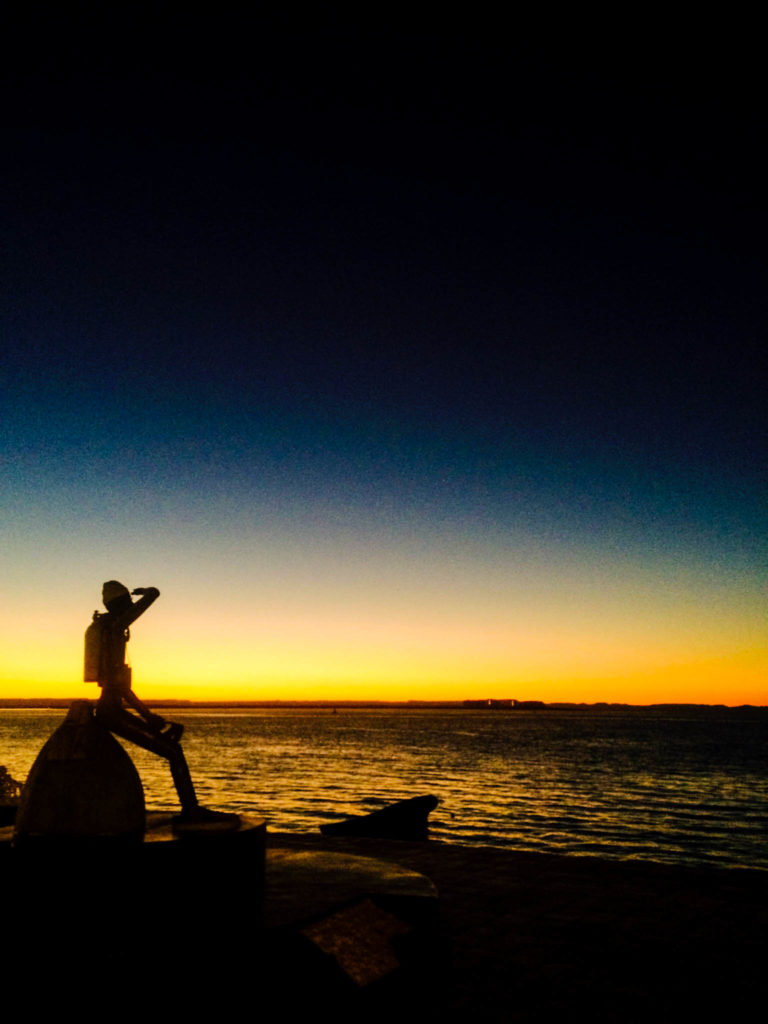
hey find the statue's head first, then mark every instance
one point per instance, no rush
(115, 597)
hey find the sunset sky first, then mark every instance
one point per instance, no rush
(406, 364)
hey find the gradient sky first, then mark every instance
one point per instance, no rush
(405, 364)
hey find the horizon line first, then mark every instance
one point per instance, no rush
(467, 704)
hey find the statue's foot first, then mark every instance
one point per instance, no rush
(202, 819)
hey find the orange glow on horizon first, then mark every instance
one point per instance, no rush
(616, 632)
(730, 680)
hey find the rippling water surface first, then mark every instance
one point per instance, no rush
(684, 786)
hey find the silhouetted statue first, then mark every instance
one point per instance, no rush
(105, 643)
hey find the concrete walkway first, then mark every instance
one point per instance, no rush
(535, 937)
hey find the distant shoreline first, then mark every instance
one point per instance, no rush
(470, 707)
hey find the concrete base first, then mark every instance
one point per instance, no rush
(350, 932)
(113, 914)
(315, 929)
(304, 884)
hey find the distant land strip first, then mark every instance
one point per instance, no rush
(491, 704)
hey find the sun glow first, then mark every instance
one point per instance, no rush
(391, 620)
(365, 657)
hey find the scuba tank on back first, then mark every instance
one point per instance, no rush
(94, 638)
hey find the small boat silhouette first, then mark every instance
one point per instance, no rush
(406, 819)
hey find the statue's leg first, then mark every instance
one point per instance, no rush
(182, 780)
(124, 724)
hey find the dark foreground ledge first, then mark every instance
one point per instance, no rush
(535, 937)
(518, 937)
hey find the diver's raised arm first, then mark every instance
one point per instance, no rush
(147, 596)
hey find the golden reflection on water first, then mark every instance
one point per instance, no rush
(679, 788)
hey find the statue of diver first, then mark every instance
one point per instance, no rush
(105, 642)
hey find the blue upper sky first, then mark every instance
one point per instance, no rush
(405, 280)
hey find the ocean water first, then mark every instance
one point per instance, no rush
(677, 786)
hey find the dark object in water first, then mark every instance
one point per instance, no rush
(407, 819)
(10, 791)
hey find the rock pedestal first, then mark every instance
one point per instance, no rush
(82, 786)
